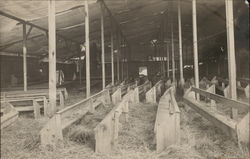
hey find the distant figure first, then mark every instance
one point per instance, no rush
(59, 77)
(13, 80)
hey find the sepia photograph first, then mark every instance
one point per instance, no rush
(124, 79)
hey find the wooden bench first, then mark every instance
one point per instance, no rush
(33, 94)
(154, 92)
(52, 132)
(27, 104)
(8, 114)
(167, 123)
(238, 129)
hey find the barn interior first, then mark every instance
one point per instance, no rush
(68, 67)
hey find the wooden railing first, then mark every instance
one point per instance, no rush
(52, 132)
(238, 129)
(167, 123)
(154, 92)
(8, 114)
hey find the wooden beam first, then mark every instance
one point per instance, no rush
(115, 21)
(180, 44)
(122, 57)
(33, 25)
(103, 45)
(24, 59)
(118, 56)
(231, 53)
(173, 58)
(29, 31)
(195, 46)
(112, 55)
(52, 57)
(168, 46)
(87, 48)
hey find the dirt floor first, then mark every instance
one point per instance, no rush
(199, 138)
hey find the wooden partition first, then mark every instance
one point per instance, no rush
(237, 129)
(8, 114)
(154, 92)
(223, 85)
(52, 132)
(167, 123)
(141, 90)
(106, 132)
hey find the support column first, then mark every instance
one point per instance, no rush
(103, 47)
(80, 70)
(112, 55)
(173, 62)
(195, 45)
(52, 58)
(117, 57)
(168, 60)
(87, 48)
(24, 59)
(180, 44)
(122, 60)
(231, 53)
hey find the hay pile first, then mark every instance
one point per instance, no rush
(22, 137)
(136, 138)
(83, 131)
(201, 139)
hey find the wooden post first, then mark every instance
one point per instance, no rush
(52, 57)
(112, 55)
(173, 62)
(195, 44)
(168, 60)
(231, 53)
(24, 59)
(180, 44)
(80, 70)
(117, 57)
(103, 46)
(87, 48)
(122, 59)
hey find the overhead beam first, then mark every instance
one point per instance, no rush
(31, 24)
(115, 21)
(16, 54)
